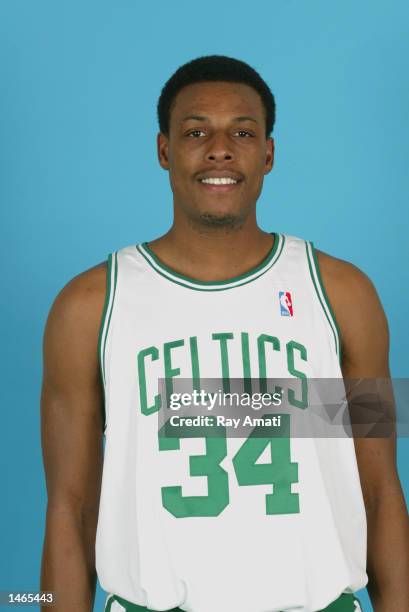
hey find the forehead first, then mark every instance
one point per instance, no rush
(217, 98)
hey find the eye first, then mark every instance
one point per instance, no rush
(241, 132)
(194, 133)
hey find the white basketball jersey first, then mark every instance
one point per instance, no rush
(183, 524)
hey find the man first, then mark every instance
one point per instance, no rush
(195, 524)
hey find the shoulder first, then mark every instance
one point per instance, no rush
(79, 304)
(86, 290)
(342, 276)
(357, 309)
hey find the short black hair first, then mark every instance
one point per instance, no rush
(214, 68)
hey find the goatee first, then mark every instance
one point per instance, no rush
(222, 221)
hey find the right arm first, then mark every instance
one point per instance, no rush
(72, 432)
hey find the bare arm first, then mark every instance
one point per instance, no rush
(71, 429)
(365, 339)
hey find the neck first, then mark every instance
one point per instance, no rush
(209, 253)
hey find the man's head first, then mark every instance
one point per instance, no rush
(216, 115)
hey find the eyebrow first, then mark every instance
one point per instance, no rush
(202, 118)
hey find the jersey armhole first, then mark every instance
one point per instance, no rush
(111, 276)
(323, 296)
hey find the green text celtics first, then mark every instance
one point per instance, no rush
(226, 343)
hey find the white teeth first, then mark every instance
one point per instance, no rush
(219, 181)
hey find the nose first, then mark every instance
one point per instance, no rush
(219, 149)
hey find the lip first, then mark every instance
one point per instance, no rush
(219, 188)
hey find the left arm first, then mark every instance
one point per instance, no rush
(365, 341)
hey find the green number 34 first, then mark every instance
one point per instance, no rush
(280, 473)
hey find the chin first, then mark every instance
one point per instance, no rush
(226, 220)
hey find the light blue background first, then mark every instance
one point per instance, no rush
(79, 83)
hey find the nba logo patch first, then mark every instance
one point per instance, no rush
(286, 303)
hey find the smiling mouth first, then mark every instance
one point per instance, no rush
(219, 181)
(219, 184)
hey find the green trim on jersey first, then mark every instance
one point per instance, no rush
(199, 285)
(346, 602)
(108, 603)
(322, 295)
(112, 273)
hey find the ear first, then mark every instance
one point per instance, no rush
(162, 142)
(269, 161)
